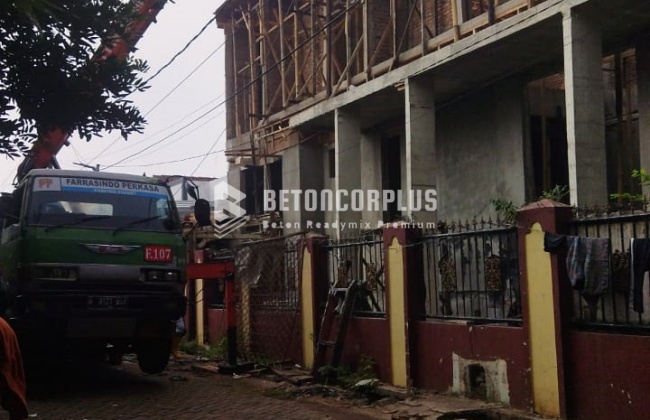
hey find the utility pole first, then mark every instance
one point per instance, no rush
(85, 165)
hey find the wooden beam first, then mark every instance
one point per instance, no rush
(404, 33)
(295, 53)
(235, 92)
(366, 45)
(423, 18)
(455, 19)
(393, 14)
(313, 47)
(347, 67)
(348, 49)
(283, 62)
(262, 50)
(328, 48)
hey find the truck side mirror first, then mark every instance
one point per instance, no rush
(192, 190)
(202, 212)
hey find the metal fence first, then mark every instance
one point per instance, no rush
(268, 283)
(360, 258)
(471, 272)
(614, 309)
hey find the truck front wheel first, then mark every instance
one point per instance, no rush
(153, 355)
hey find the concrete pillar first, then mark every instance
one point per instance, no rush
(370, 150)
(302, 170)
(234, 176)
(347, 129)
(585, 108)
(420, 131)
(643, 86)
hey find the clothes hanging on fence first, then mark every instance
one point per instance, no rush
(588, 264)
(554, 242)
(640, 264)
(493, 281)
(621, 273)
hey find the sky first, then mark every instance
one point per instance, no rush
(171, 105)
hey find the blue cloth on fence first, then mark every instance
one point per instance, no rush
(587, 264)
(554, 242)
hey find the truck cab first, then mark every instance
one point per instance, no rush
(92, 263)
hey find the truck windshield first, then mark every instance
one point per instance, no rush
(58, 202)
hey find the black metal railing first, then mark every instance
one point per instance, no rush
(614, 309)
(471, 272)
(360, 259)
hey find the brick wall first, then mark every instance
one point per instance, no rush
(444, 16)
(379, 18)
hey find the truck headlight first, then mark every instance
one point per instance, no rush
(171, 276)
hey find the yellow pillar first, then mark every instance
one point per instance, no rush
(200, 336)
(397, 313)
(307, 306)
(543, 345)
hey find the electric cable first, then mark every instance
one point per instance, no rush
(131, 145)
(249, 84)
(178, 54)
(209, 152)
(176, 86)
(144, 165)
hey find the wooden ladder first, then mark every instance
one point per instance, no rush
(328, 323)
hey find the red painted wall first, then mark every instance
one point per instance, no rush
(277, 335)
(216, 325)
(368, 337)
(608, 376)
(437, 342)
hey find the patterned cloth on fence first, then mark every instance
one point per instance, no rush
(447, 269)
(343, 273)
(641, 264)
(493, 274)
(588, 264)
(621, 271)
(372, 276)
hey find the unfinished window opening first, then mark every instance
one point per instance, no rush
(331, 162)
(548, 134)
(391, 175)
(254, 189)
(548, 128)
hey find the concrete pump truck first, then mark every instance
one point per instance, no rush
(92, 264)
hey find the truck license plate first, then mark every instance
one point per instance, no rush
(107, 302)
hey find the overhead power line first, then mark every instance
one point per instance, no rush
(332, 20)
(209, 152)
(178, 84)
(172, 161)
(178, 54)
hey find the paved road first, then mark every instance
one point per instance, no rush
(106, 393)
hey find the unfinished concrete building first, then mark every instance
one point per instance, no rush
(478, 99)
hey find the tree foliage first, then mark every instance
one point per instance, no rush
(50, 76)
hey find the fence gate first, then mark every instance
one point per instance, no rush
(268, 276)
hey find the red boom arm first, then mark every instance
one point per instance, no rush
(45, 149)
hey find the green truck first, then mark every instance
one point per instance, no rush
(92, 263)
